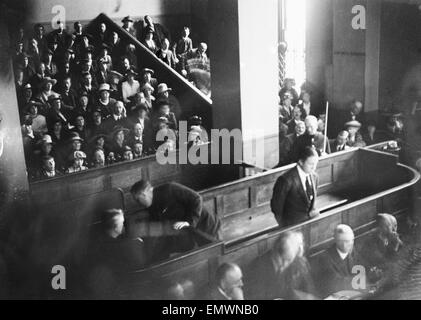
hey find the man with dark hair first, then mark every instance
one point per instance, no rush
(178, 206)
(294, 194)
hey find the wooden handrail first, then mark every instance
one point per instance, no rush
(124, 34)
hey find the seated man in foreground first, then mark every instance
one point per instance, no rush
(228, 283)
(295, 192)
(177, 208)
(337, 265)
(283, 272)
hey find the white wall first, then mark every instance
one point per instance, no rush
(259, 75)
(88, 9)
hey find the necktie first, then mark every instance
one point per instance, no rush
(309, 189)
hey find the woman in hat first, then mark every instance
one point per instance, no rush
(78, 164)
(148, 90)
(46, 91)
(39, 122)
(355, 138)
(97, 142)
(98, 158)
(130, 87)
(119, 142)
(149, 41)
(66, 155)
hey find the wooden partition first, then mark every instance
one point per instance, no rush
(248, 199)
(192, 100)
(244, 205)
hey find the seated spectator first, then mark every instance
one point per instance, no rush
(56, 111)
(79, 158)
(44, 149)
(340, 143)
(80, 127)
(39, 122)
(184, 46)
(183, 290)
(28, 138)
(114, 79)
(147, 90)
(164, 94)
(165, 54)
(147, 77)
(105, 103)
(115, 47)
(97, 126)
(117, 118)
(98, 158)
(283, 272)
(336, 264)
(48, 169)
(83, 108)
(285, 109)
(114, 248)
(289, 89)
(300, 129)
(297, 115)
(395, 128)
(46, 92)
(130, 87)
(138, 150)
(102, 74)
(306, 104)
(68, 95)
(179, 206)
(24, 97)
(355, 138)
(104, 56)
(137, 135)
(127, 154)
(149, 42)
(57, 132)
(65, 156)
(159, 31)
(51, 69)
(382, 253)
(311, 138)
(162, 109)
(128, 25)
(228, 283)
(118, 142)
(89, 87)
(321, 123)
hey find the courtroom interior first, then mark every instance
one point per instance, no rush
(210, 149)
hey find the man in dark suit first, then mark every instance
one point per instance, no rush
(340, 143)
(178, 206)
(228, 283)
(337, 263)
(295, 192)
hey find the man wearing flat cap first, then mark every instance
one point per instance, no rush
(146, 76)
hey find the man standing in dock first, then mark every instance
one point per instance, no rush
(294, 194)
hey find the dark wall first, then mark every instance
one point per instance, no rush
(400, 52)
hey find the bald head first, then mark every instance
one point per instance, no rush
(287, 248)
(311, 125)
(344, 238)
(229, 278)
(386, 224)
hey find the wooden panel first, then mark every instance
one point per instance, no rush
(84, 187)
(264, 193)
(127, 178)
(325, 176)
(396, 202)
(236, 201)
(361, 215)
(209, 205)
(322, 230)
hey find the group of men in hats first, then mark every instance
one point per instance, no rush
(96, 108)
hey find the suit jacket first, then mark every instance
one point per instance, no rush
(335, 273)
(334, 146)
(174, 202)
(290, 203)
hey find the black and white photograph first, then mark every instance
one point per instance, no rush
(211, 151)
